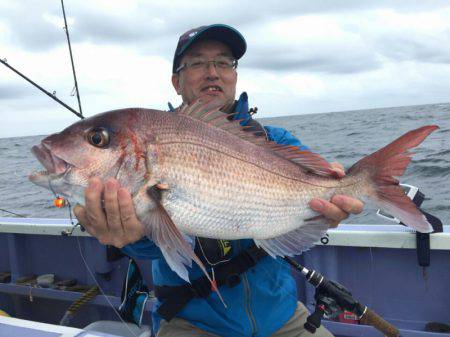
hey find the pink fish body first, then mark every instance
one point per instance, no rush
(196, 173)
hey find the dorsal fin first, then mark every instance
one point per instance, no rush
(208, 111)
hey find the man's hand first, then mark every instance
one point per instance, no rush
(340, 206)
(113, 221)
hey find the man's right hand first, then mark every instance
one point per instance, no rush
(113, 221)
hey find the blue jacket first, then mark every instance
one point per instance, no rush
(259, 305)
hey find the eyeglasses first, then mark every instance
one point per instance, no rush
(220, 63)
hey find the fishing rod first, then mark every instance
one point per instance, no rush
(331, 297)
(52, 96)
(66, 29)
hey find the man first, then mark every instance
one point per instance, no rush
(260, 294)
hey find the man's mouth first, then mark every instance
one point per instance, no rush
(212, 89)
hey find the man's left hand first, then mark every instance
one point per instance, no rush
(340, 206)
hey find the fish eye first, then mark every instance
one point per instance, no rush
(98, 137)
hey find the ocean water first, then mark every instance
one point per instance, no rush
(344, 137)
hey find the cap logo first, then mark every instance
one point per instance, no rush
(193, 34)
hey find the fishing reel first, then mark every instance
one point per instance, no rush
(329, 305)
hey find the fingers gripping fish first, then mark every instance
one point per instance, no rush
(196, 173)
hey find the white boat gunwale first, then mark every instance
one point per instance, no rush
(353, 235)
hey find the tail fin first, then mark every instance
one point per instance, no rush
(389, 162)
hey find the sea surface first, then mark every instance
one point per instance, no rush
(344, 137)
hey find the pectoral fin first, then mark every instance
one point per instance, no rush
(174, 247)
(165, 234)
(176, 251)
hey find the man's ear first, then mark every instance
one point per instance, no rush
(176, 83)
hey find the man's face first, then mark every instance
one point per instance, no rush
(211, 81)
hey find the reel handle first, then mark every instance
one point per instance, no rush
(371, 318)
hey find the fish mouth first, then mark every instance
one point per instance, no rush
(54, 166)
(55, 175)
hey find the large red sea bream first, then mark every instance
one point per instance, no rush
(195, 172)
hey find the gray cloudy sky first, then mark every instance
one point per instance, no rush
(302, 57)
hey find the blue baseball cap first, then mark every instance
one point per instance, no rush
(223, 33)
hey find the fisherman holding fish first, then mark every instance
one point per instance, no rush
(207, 184)
(261, 298)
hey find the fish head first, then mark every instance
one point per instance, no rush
(107, 145)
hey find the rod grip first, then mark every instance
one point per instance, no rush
(371, 318)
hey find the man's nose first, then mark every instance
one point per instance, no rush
(211, 70)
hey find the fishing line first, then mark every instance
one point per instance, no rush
(82, 256)
(91, 273)
(53, 191)
(6, 211)
(101, 289)
(70, 232)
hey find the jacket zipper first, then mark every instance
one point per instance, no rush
(247, 294)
